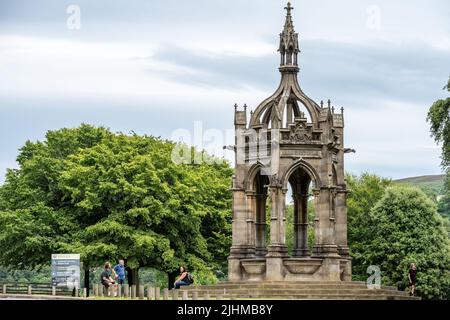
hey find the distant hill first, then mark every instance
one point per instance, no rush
(433, 183)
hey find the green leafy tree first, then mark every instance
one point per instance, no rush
(290, 226)
(439, 119)
(406, 228)
(106, 195)
(364, 192)
(444, 202)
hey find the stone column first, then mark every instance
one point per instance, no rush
(260, 225)
(325, 246)
(341, 222)
(341, 235)
(324, 224)
(251, 217)
(277, 248)
(239, 248)
(301, 225)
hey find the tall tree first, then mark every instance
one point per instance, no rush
(364, 192)
(406, 228)
(106, 196)
(439, 118)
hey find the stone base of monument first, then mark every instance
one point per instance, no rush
(296, 290)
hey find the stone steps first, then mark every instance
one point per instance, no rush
(285, 286)
(297, 290)
(302, 291)
(318, 297)
(309, 296)
(294, 283)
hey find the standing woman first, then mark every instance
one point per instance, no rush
(412, 279)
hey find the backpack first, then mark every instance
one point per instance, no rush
(190, 278)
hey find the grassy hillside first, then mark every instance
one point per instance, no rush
(433, 184)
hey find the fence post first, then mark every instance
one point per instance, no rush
(207, 296)
(101, 289)
(195, 295)
(174, 294)
(95, 287)
(157, 293)
(77, 293)
(126, 290)
(166, 294)
(4, 289)
(85, 292)
(133, 292)
(119, 291)
(150, 293)
(53, 291)
(185, 295)
(30, 292)
(141, 292)
(111, 291)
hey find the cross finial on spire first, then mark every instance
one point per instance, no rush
(289, 8)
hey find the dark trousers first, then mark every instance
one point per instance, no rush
(178, 284)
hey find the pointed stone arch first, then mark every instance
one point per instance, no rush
(308, 169)
(250, 177)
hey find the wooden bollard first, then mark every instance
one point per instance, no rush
(77, 292)
(185, 295)
(30, 290)
(53, 291)
(141, 292)
(150, 293)
(126, 291)
(166, 294)
(119, 291)
(195, 295)
(207, 296)
(4, 289)
(109, 291)
(174, 294)
(101, 290)
(95, 290)
(85, 290)
(157, 293)
(133, 292)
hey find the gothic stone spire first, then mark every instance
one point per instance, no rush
(289, 47)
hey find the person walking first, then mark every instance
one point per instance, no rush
(412, 273)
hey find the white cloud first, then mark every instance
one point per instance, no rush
(115, 58)
(43, 67)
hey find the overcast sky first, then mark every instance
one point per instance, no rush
(155, 67)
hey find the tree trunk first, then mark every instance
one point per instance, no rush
(86, 280)
(136, 278)
(172, 277)
(129, 276)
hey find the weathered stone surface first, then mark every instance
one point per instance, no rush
(289, 140)
(335, 290)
